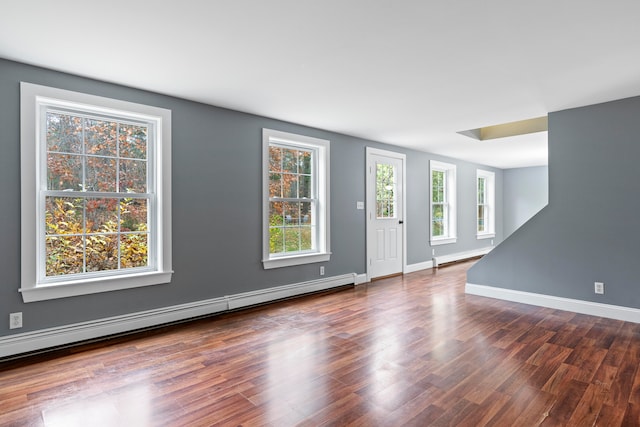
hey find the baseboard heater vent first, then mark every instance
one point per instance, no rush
(440, 261)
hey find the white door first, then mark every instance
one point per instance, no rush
(385, 213)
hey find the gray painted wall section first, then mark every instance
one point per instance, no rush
(525, 192)
(590, 228)
(216, 190)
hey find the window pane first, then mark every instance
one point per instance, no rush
(275, 159)
(306, 240)
(438, 228)
(438, 212)
(481, 218)
(304, 182)
(134, 250)
(385, 190)
(276, 240)
(133, 215)
(290, 160)
(437, 190)
(133, 176)
(292, 213)
(133, 141)
(100, 137)
(102, 252)
(102, 215)
(64, 172)
(481, 190)
(291, 239)
(304, 161)
(64, 133)
(63, 215)
(290, 185)
(275, 185)
(276, 213)
(100, 174)
(64, 255)
(306, 213)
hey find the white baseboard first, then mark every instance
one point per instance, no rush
(441, 259)
(577, 306)
(52, 337)
(361, 278)
(412, 268)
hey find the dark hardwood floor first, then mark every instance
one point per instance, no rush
(408, 350)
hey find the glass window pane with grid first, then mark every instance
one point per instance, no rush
(385, 191)
(438, 203)
(482, 207)
(97, 198)
(292, 202)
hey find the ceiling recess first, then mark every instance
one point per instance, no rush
(522, 127)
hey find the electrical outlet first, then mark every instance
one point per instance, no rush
(322, 270)
(491, 242)
(433, 252)
(599, 287)
(15, 320)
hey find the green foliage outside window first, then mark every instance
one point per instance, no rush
(438, 203)
(291, 206)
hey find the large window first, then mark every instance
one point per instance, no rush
(443, 202)
(485, 226)
(296, 202)
(95, 194)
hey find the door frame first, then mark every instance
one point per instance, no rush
(370, 203)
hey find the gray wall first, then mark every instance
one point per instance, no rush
(525, 192)
(589, 231)
(216, 190)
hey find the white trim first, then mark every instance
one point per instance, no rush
(451, 200)
(33, 286)
(617, 312)
(321, 147)
(91, 286)
(412, 268)
(287, 261)
(362, 278)
(485, 236)
(369, 151)
(441, 259)
(51, 337)
(490, 202)
(442, 241)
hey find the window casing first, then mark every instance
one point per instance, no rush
(485, 185)
(296, 199)
(96, 201)
(442, 202)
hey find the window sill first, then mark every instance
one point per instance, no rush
(295, 260)
(485, 236)
(93, 286)
(445, 241)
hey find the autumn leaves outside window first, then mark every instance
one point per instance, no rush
(296, 199)
(96, 197)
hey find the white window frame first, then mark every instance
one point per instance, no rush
(321, 187)
(450, 202)
(35, 99)
(489, 203)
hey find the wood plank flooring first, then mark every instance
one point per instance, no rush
(412, 350)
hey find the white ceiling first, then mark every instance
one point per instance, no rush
(410, 73)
